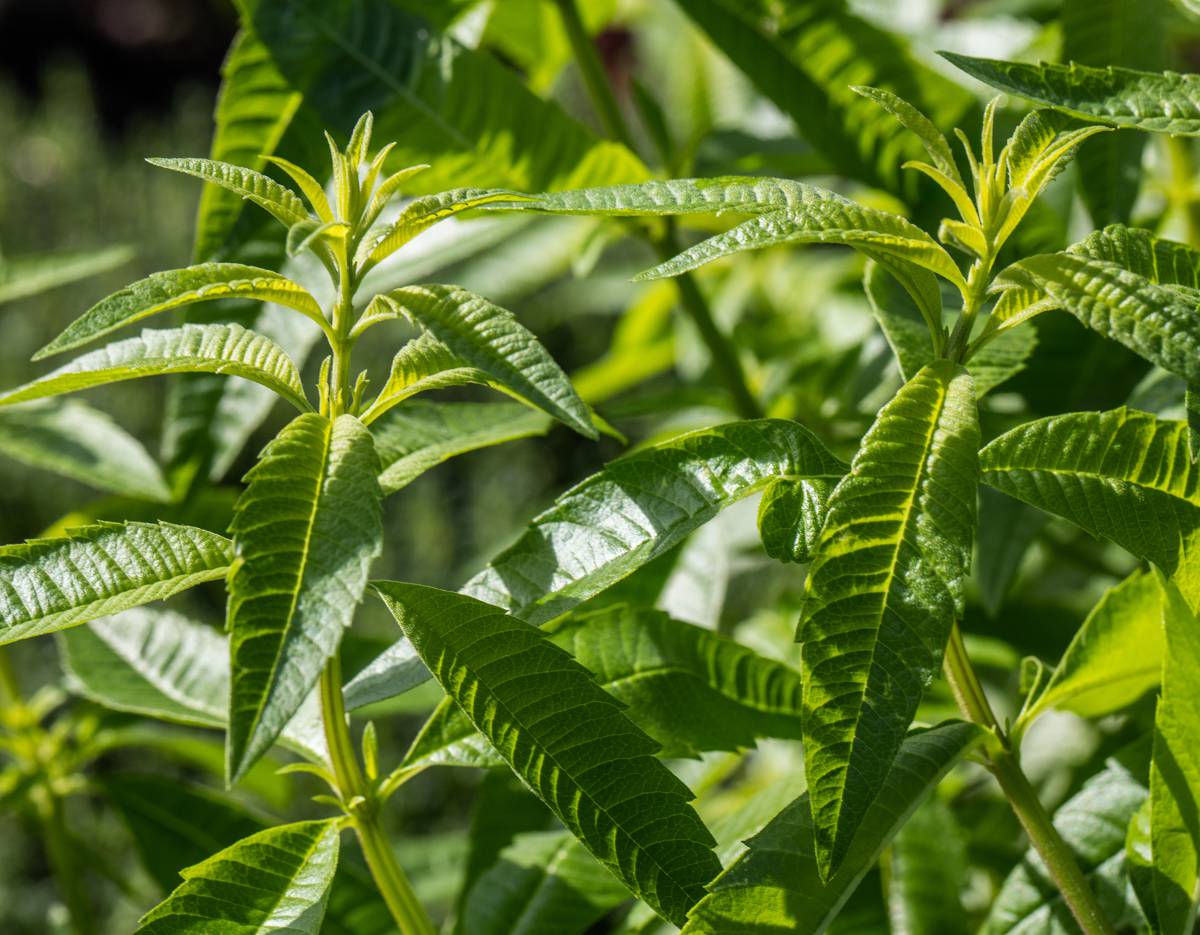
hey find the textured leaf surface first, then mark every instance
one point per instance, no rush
(423, 364)
(275, 881)
(1122, 475)
(775, 887)
(225, 349)
(51, 584)
(687, 687)
(927, 874)
(279, 201)
(616, 521)
(419, 436)
(77, 441)
(306, 531)
(161, 292)
(790, 517)
(1093, 824)
(567, 739)
(420, 214)
(1122, 97)
(883, 592)
(160, 664)
(490, 339)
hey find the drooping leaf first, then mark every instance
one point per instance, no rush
(1121, 97)
(274, 881)
(688, 688)
(775, 886)
(254, 109)
(790, 517)
(52, 584)
(1092, 823)
(419, 436)
(162, 292)
(927, 873)
(73, 439)
(567, 739)
(306, 531)
(491, 340)
(1114, 658)
(1175, 774)
(278, 200)
(23, 276)
(160, 664)
(1121, 475)
(225, 349)
(616, 521)
(884, 589)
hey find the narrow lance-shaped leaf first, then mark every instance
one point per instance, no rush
(1175, 774)
(23, 276)
(688, 688)
(491, 340)
(567, 739)
(77, 441)
(1122, 97)
(775, 886)
(883, 592)
(306, 530)
(225, 349)
(279, 201)
(162, 292)
(51, 584)
(616, 521)
(160, 664)
(421, 365)
(273, 881)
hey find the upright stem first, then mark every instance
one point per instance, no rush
(62, 855)
(363, 807)
(1005, 766)
(724, 357)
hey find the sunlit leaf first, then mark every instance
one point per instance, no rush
(279, 201)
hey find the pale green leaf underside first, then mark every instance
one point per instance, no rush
(73, 439)
(279, 201)
(275, 881)
(225, 349)
(306, 530)
(1121, 475)
(161, 292)
(32, 274)
(1122, 97)
(419, 436)
(882, 593)
(51, 584)
(617, 520)
(160, 664)
(688, 688)
(567, 739)
(775, 886)
(490, 339)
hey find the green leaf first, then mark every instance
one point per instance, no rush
(900, 319)
(927, 873)
(808, 56)
(618, 520)
(567, 739)
(463, 112)
(490, 339)
(306, 531)
(1175, 774)
(420, 436)
(1113, 659)
(52, 584)
(1092, 823)
(275, 880)
(1121, 475)
(160, 664)
(882, 593)
(775, 886)
(1007, 528)
(23, 276)
(161, 292)
(1157, 322)
(1161, 261)
(688, 688)
(421, 365)
(1002, 358)
(77, 441)
(934, 141)
(420, 214)
(725, 194)
(254, 109)
(790, 517)
(1120, 97)
(225, 349)
(544, 883)
(279, 201)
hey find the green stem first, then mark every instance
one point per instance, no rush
(1004, 764)
(724, 357)
(62, 853)
(362, 805)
